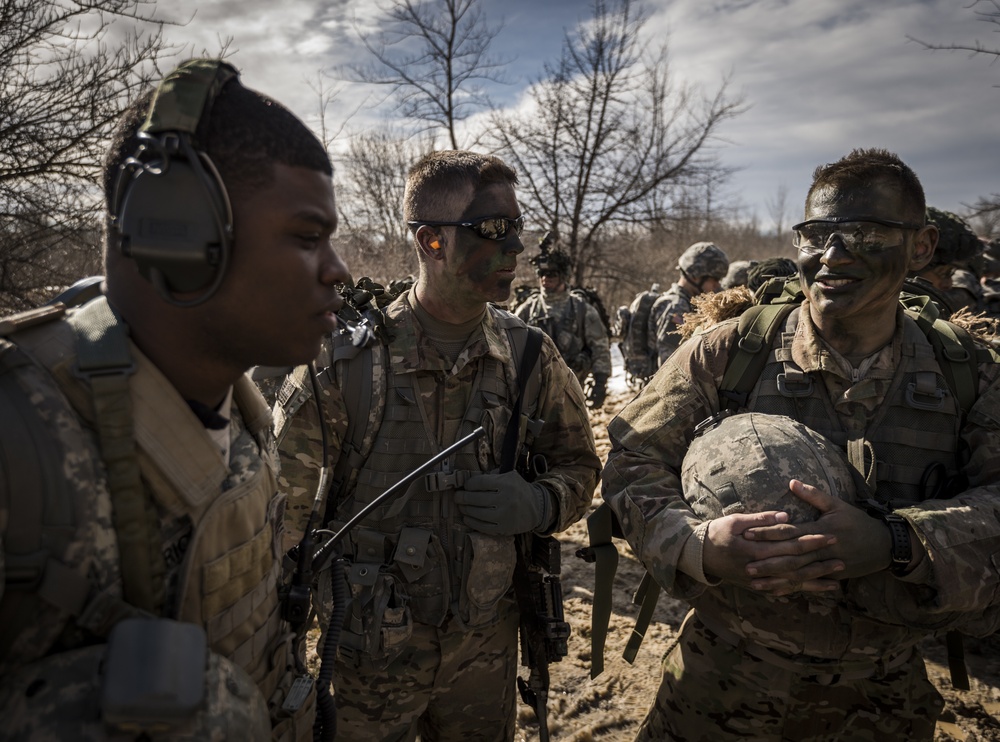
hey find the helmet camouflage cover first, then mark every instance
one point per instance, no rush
(704, 259)
(744, 463)
(957, 243)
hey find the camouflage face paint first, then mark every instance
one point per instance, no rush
(482, 270)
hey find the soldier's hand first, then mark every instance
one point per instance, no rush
(598, 392)
(505, 504)
(859, 544)
(732, 557)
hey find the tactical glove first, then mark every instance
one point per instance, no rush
(505, 504)
(598, 391)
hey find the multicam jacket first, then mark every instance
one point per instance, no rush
(417, 561)
(222, 574)
(887, 410)
(665, 317)
(576, 328)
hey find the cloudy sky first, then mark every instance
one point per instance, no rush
(820, 77)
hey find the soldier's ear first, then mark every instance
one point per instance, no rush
(429, 242)
(924, 243)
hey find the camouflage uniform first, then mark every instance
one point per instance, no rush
(665, 317)
(793, 667)
(430, 641)
(213, 555)
(576, 328)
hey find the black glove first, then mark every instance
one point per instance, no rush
(505, 504)
(599, 391)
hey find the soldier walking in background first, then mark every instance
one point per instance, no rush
(571, 321)
(915, 558)
(702, 268)
(430, 645)
(139, 471)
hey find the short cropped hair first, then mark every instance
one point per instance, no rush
(863, 168)
(440, 180)
(244, 134)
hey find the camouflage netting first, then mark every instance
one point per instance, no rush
(744, 464)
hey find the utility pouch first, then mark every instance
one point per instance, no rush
(154, 676)
(487, 574)
(379, 621)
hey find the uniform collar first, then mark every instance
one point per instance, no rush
(409, 350)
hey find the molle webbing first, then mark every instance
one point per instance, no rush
(104, 360)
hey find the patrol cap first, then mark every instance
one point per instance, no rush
(957, 243)
(743, 465)
(704, 259)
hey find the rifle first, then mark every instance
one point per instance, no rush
(544, 632)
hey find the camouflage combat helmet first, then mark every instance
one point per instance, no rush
(553, 260)
(704, 259)
(743, 465)
(737, 273)
(957, 243)
(770, 268)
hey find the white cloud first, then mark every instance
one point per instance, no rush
(820, 76)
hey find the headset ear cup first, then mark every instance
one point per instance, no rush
(174, 221)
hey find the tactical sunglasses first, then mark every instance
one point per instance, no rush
(489, 228)
(860, 234)
(549, 274)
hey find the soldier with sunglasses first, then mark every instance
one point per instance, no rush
(430, 643)
(853, 592)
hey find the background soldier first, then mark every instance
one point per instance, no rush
(571, 321)
(848, 363)
(139, 475)
(430, 643)
(702, 268)
(957, 247)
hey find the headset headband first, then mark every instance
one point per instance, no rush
(184, 98)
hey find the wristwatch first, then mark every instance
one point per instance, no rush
(901, 550)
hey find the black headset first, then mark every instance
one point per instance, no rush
(171, 213)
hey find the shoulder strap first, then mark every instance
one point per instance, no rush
(361, 373)
(526, 343)
(758, 326)
(105, 362)
(955, 350)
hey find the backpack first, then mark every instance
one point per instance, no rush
(759, 325)
(589, 294)
(638, 365)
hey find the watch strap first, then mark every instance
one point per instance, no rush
(900, 549)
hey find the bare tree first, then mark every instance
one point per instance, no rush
(371, 178)
(609, 139)
(987, 11)
(434, 58)
(984, 215)
(777, 208)
(67, 69)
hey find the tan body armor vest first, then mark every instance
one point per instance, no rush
(229, 576)
(412, 559)
(915, 429)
